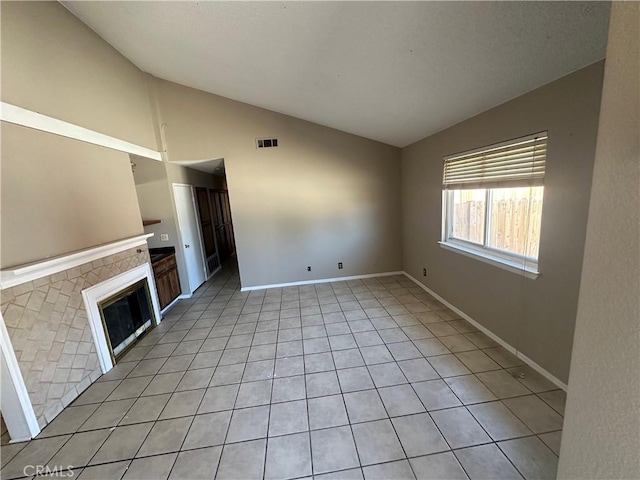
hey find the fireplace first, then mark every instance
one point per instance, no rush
(126, 317)
(54, 342)
(121, 310)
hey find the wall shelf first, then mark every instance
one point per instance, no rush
(146, 223)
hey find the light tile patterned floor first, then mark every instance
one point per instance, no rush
(369, 378)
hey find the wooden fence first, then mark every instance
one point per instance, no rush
(515, 228)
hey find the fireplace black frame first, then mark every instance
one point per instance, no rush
(105, 303)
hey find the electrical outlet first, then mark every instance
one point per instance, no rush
(164, 237)
(424, 272)
(339, 265)
(308, 269)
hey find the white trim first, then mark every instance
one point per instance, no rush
(27, 118)
(15, 403)
(175, 300)
(556, 381)
(320, 280)
(485, 257)
(95, 294)
(26, 273)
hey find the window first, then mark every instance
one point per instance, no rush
(492, 203)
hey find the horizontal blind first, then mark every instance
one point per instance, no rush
(519, 162)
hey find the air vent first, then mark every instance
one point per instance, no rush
(266, 142)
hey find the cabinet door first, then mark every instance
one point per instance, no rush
(163, 286)
(174, 284)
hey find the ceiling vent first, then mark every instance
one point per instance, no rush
(266, 142)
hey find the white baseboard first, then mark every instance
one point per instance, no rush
(20, 440)
(553, 379)
(176, 300)
(320, 280)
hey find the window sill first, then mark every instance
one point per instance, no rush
(510, 266)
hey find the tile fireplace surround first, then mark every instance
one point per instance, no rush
(50, 333)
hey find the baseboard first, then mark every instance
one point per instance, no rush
(20, 440)
(176, 300)
(553, 379)
(320, 280)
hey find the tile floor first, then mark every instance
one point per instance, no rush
(366, 379)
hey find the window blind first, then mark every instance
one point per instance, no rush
(516, 163)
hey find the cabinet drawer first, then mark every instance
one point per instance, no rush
(161, 266)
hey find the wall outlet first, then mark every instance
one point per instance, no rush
(424, 272)
(308, 269)
(339, 265)
(164, 237)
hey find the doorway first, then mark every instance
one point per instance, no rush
(216, 225)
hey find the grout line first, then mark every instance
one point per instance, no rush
(306, 400)
(363, 292)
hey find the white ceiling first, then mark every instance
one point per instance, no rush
(390, 71)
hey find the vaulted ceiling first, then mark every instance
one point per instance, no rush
(389, 71)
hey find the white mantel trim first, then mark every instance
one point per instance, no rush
(32, 271)
(27, 118)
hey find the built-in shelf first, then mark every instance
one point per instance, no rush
(150, 222)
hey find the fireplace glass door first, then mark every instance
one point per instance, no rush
(127, 316)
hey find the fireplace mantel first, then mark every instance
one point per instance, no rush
(32, 271)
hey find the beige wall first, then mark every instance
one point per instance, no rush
(55, 65)
(601, 437)
(155, 201)
(180, 174)
(320, 198)
(60, 195)
(535, 316)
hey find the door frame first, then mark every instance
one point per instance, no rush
(200, 248)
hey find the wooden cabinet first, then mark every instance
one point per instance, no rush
(165, 271)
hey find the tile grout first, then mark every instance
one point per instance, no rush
(285, 298)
